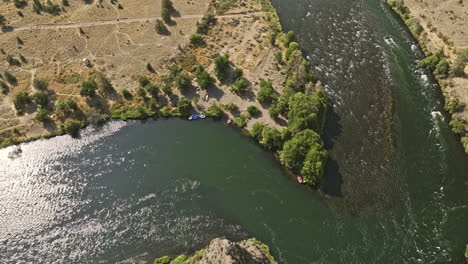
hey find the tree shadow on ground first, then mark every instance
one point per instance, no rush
(215, 92)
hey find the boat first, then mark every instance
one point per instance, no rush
(202, 116)
(300, 179)
(194, 116)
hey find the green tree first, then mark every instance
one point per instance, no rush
(241, 121)
(458, 127)
(256, 130)
(222, 66)
(237, 74)
(184, 106)
(72, 126)
(204, 79)
(42, 115)
(204, 26)
(295, 150)
(41, 98)
(214, 111)
(141, 92)
(196, 39)
(314, 164)
(231, 107)
(166, 15)
(161, 29)
(240, 86)
(289, 37)
(266, 95)
(152, 89)
(183, 81)
(88, 88)
(21, 100)
(442, 69)
(143, 81)
(127, 94)
(271, 138)
(253, 110)
(40, 84)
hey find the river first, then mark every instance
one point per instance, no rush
(395, 189)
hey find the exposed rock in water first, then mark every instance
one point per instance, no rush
(223, 251)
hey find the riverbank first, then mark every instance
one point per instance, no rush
(234, 64)
(439, 29)
(219, 251)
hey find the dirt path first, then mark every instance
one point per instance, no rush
(118, 21)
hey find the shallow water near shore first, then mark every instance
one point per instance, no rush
(395, 188)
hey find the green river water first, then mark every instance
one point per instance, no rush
(395, 189)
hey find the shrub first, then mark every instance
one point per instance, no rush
(183, 81)
(196, 39)
(179, 260)
(41, 98)
(161, 28)
(88, 88)
(40, 84)
(4, 87)
(127, 94)
(430, 62)
(241, 121)
(167, 89)
(42, 115)
(240, 86)
(273, 111)
(256, 130)
(12, 61)
(279, 57)
(204, 26)
(141, 92)
(442, 69)
(221, 66)
(167, 4)
(204, 79)
(453, 105)
(253, 110)
(143, 81)
(237, 74)
(458, 127)
(162, 260)
(72, 126)
(289, 37)
(152, 89)
(214, 111)
(166, 15)
(231, 107)
(184, 106)
(21, 100)
(10, 78)
(458, 67)
(150, 68)
(271, 138)
(266, 95)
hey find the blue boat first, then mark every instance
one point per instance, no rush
(194, 116)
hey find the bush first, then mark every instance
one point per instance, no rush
(152, 89)
(442, 69)
(88, 88)
(127, 94)
(72, 126)
(266, 95)
(430, 62)
(273, 111)
(231, 107)
(143, 81)
(42, 115)
(12, 61)
(162, 260)
(279, 57)
(221, 66)
(240, 86)
(458, 67)
(41, 98)
(179, 260)
(184, 106)
(21, 100)
(241, 121)
(237, 74)
(167, 4)
(214, 111)
(166, 15)
(65, 108)
(161, 28)
(453, 105)
(183, 81)
(256, 130)
(458, 127)
(204, 26)
(289, 37)
(204, 79)
(253, 110)
(4, 87)
(10, 78)
(196, 39)
(271, 138)
(40, 84)
(141, 92)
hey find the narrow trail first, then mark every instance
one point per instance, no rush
(118, 21)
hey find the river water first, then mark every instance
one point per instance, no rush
(395, 189)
